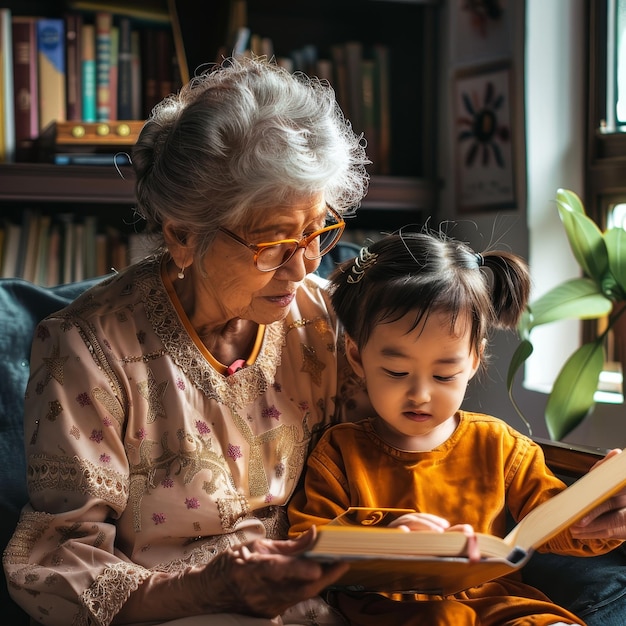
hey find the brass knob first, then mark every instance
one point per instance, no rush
(123, 130)
(78, 131)
(103, 130)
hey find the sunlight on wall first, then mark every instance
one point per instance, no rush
(554, 117)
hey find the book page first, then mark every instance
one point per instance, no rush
(562, 510)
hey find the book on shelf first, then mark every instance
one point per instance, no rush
(370, 111)
(114, 73)
(7, 118)
(51, 70)
(104, 24)
(136, 92)
(380, 52)
(149, 71)
(354, 79)
(25, 89)
(11, 248)
(389, 559)
(88, 71)
(124, 71)
(74, 99)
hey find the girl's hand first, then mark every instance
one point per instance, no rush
(420, 521)
(427, 521)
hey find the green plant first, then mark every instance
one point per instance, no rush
(596, 294)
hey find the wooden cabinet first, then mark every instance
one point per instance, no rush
(408, 29)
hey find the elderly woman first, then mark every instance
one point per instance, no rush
(170, 409)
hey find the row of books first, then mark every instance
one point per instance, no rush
(359, 74)
(85, 66)
(50, 250)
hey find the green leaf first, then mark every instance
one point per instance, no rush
(585, 238)
(570, 199)
(578, 298)
(521, 354)
(523, 351)
(572, 396)
(615, 240)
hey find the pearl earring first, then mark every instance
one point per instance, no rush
(181, 273)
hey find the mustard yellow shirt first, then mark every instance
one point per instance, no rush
(484, 468)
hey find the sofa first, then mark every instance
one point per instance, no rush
(594, 588)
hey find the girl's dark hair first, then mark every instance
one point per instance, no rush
(426, 272)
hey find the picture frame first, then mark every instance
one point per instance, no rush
(483, 138)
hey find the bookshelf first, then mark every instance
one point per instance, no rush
(406, 193)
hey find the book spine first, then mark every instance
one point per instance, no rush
(125, 68)
(104, 23)
(149, 70)
(25, 90)
(7, 150)
(73, 22)
(88, 71)
(354, 55)
(369, 106)
(114, 73)
(381, 57)
(165, 63)
(137, 78)
(51, 57)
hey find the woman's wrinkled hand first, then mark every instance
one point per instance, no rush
(266, 577)
(607, 520)
(427, 521)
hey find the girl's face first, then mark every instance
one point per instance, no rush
(416, 379)
(232, 283)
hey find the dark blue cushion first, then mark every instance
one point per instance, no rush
(22, 306)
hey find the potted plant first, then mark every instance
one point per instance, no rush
(600, 292)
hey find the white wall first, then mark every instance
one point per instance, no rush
(547, 56)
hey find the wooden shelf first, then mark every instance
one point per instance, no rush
(46, 183)
(32, 182)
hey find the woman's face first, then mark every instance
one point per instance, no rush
(237, 287)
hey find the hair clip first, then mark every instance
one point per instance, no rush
(480, 259)
(364, 260)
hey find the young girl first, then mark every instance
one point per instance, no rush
(417, 311)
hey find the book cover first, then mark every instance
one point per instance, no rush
(88, 71)
(7, 119)
(25, 89)
(73, 95)
(389, 559)
(51, 70)
(104, 23)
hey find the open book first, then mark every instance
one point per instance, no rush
(389, 559)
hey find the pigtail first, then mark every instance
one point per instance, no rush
(510, 287)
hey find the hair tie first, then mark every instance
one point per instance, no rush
(364, 260)
(480, 259)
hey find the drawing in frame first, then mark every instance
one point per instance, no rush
(483, 151)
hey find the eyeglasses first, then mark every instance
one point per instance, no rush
(270, 256)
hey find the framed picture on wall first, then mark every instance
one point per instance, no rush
(483, 153)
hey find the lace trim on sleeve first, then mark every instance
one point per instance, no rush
(105, 597)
